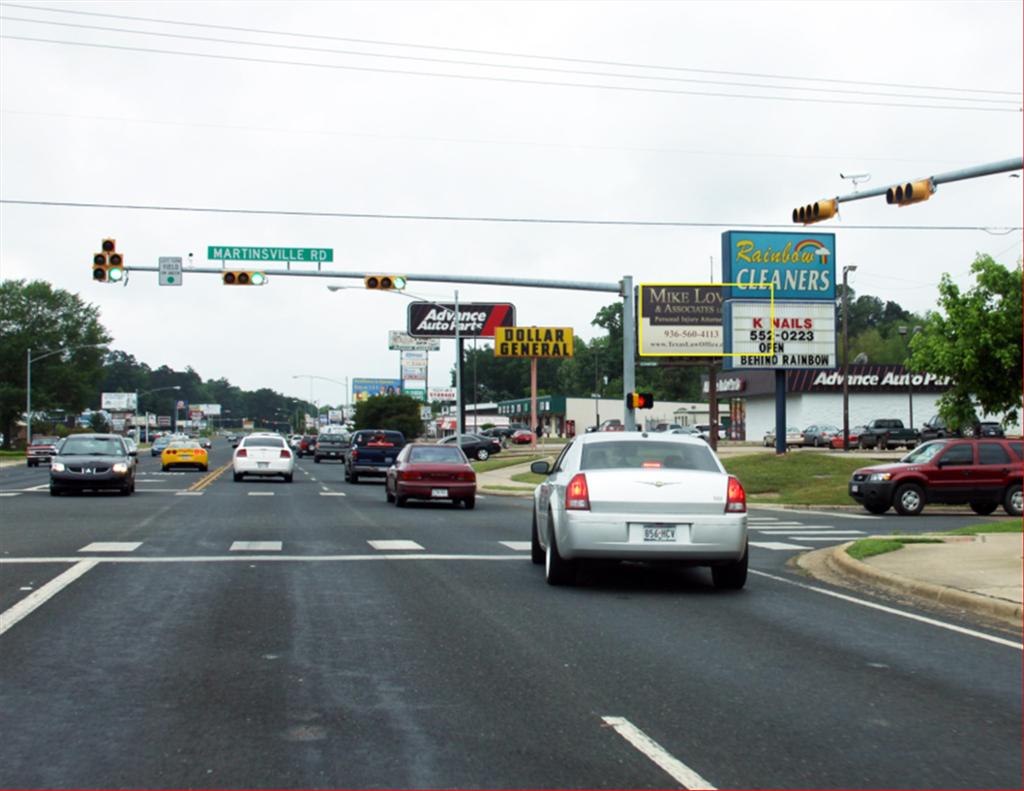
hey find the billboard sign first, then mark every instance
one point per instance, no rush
(798, 265)
(476, 319)
(362, 389)
(119, 402)
(680, 319)
(441, 394)
(533, 342)
(792, 334)
(404, 342)
(209, 410)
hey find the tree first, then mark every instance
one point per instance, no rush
(975, 339)
(397, 413)
(34, 315)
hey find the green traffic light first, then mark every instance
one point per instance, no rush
(398, 282)
(115, 274)
(258, 279)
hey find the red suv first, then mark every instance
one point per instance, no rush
(982, 473)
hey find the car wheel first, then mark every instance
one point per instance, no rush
(883, 443)
(164, 468)
(54, 491)
(470, 503)
(288, 478)
(204, 468)
(1012, 501)
(732, 576)
(983, 508)
(557, 570)
(536, 550)
(353, 478)
(124, 491)
(387, 493)
(909, 500)
(876, 508)
(482, 454)
(29, 464)
(400, 501)
(316, 459)
(237, 476)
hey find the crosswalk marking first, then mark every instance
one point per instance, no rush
(261, 494)
(189, 494)
(394, 544)
(111, 546)
(776, 545)
(256, 546)
(517, 545)
(333, 494)
(804, 534)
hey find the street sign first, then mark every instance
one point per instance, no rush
(795, 334)
(441, 394)
(425, 413)
(403, 342)
(164, 421)
(533, 342)
(282, 255)
(680, 319)
(170, 272)
(476, 319)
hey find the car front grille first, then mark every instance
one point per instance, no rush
(95, 469)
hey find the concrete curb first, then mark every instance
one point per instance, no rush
(975, 602)
(505, 492)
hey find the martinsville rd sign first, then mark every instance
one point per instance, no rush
(288, 255)
(533, 342)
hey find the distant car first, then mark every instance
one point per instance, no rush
(40, 450)
(639, 497)
(705, 429)
(989, 429)
(234, 439)
(263, 455)
(794, 436)
(307, 445)
(837, 440)
(159, 445)
(331, 446)
(294, 440)
(92, 462)
(372, 452)
(431, 472)
(475, 446)
(612, 425)
(687, 431)
(184, 453)
(522, 436)
(819, 435)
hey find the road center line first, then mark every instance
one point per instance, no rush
(675, 768)
(893, 611)
(13, 614)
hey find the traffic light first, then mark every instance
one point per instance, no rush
(108, 266)
(816, 212)
(385, 282)
(639, 400)
(235, 278)
(911, 192)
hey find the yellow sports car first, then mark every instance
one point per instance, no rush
(184, 453)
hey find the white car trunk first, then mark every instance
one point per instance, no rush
(657, 491)
(263, 454)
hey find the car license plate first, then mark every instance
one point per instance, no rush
(186, 455)
(438, 492)
(654, 533)
(262, 464)
(854, 487)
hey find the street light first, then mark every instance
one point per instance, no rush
(147, 392)
(311, 377)
(846, 360)
(28, 381)
(904, 331)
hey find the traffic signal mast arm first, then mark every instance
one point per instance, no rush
(905, 193)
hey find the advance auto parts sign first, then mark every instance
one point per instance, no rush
(796, 334)
(476, 319)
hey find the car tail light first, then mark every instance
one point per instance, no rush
(736, 500)
(468, 475)
(651, 465)
(241, 452)
(354, 454)
(577, 497)
(409, 475)
(286, 454)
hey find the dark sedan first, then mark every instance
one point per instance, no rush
(429, 472)
(92, 462)
(475, 446)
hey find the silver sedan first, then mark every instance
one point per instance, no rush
(639, 496)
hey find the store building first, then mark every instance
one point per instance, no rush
(565, 416)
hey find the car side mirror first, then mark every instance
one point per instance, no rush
(133, 453)
(540, 468)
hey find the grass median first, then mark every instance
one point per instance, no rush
(796, 478)
(508, 461)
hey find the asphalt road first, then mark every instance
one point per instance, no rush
(170, 650)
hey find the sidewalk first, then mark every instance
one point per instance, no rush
(499, 482)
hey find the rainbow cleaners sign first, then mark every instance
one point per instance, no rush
(799, 266)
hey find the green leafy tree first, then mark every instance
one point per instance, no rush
(975, 339)
(397, 413)
(34, 315)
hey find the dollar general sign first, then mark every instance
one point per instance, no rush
(533, 341)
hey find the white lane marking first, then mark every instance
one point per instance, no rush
(13, 614)
(256, 546)
(517, 545)
(189, 494)
(892, 611)
(837, 514)
(254, 558)
(9, 494)
(775, 545)
(111, 546)
(762, 519)
(675, 768)
(261, 494)
(312, 478)
(769, 526)
(333, 494)
(138, 480)
(817, 531)
(40, 488)
(834, 539)
(394, 544)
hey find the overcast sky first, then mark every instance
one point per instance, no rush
(137, 126)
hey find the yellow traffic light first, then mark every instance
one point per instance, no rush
(244, 278)
(911, 192)
(385, 282)
(816, 212)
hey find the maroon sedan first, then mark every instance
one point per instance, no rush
(431, 472)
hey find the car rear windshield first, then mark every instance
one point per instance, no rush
(393, 438)
(44, 440)
(263, 442)
(437, 454)
(333, 440)
(668, 455)
(184, 443)
(89, 446)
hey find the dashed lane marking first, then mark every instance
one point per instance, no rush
(333, 494)
(671, 765)
(261, 494)
(516, 545)
(189, 494)
(256, 546)
(385, 545)
(111, 546)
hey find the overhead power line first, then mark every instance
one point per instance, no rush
(503, 53)
(509, 80)
(510, 66)
(483, 219)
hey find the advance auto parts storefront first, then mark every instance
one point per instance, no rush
(816, 396)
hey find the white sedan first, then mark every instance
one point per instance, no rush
(639, 496)
(263, 455)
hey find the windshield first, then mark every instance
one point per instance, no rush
(923, 453)
(92, 446)
(263, 442)
(670, 455)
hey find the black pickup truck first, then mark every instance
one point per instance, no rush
(331, 447)
(886, 433)
(371, 452)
